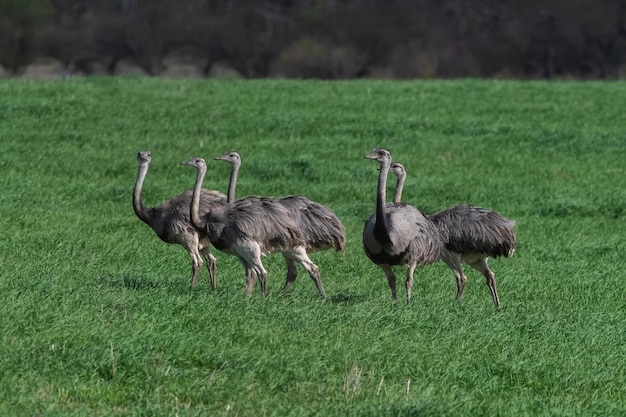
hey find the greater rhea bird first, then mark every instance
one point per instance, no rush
(469, 234)
(248, 228)
(171, 221)
(398, 233)
(319, 226)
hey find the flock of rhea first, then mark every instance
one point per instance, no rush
(396, 233)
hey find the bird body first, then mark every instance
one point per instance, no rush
(475, 231)
(171, 221)
(472, 235)
(248, 228)
(399, 243)
(319, 227)
(243, 220)
(398, 233)
(469, 234)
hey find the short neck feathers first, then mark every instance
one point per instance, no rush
(140, 210)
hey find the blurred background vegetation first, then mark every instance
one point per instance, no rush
(327, 39)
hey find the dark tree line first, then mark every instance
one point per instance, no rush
(322, 38)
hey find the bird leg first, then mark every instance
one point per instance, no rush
(249, 253)
(461, 279)
(481, 266)
(250, 277)
(409, 280)
(195, 273)
(453, 260)
(299, 255)
(391, 279)
(262, 277)
(210, 264)
(292, 273)
(196, 262)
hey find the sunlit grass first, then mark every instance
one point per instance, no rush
(97, 317)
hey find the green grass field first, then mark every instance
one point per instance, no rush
(97, 317)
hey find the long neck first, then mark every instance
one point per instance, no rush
(140, 210)
(397, 197)
(381, 211)
(232, 184)
(195, 200)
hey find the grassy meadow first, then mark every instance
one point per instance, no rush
(97, 317)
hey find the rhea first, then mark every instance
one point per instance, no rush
(248, 228)
(469, 234)
(171, 220)
(398, 233)
(320, 228)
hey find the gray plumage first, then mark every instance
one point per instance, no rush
(320, 229)
(248, 228)
(469, 234)
(171, 221)
(319, 226)
(398, 233)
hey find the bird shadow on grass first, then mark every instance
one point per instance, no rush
(132, 282)
(347, 299)
(137, 282)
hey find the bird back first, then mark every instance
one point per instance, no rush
(258, 219)
(469, 228)
(321, 229)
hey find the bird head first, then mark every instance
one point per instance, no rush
(380, 155)
(230, 157)
(397, 169)
(196, 161)
(144, 157)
